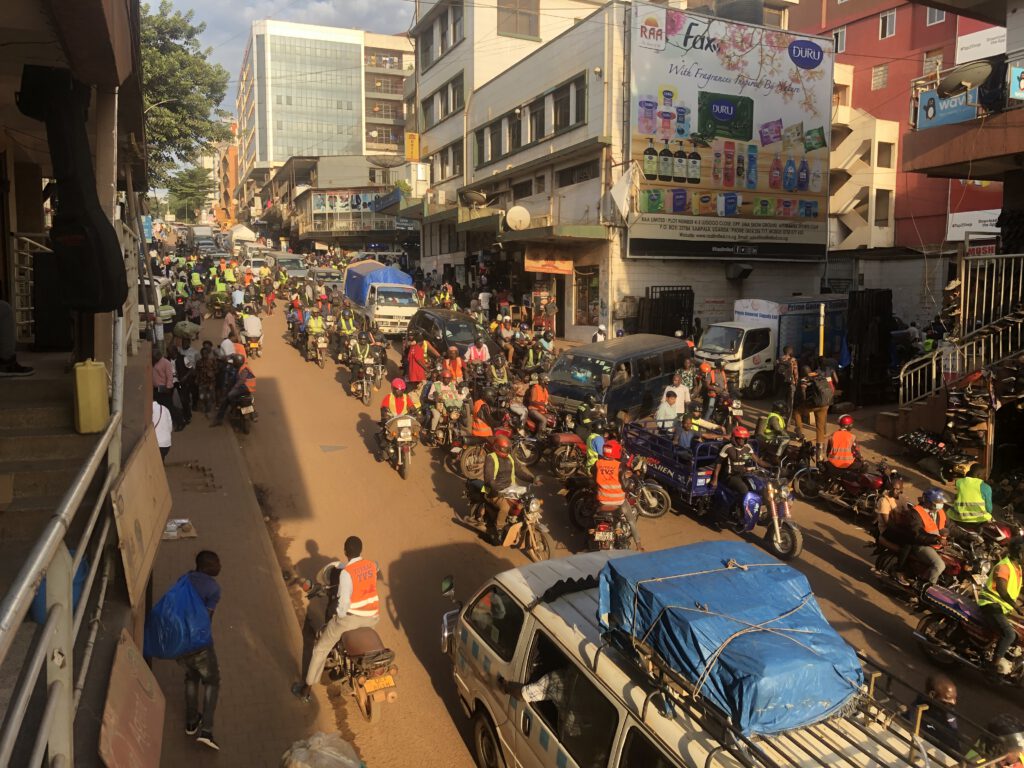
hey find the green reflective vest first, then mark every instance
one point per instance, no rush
(197, 279)
(969, 506)
(989, 595)
(592, 455)
(774, 426)
(229, 275)
(219, 286)
(493, 458)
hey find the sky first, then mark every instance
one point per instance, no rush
(228, 24)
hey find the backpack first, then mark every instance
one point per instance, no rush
(820, 392)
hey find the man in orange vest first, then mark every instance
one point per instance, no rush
(484, 420)
(607, 475)
(352, 587)
(921, 531)
(452, 362)
(244, 383)
(537, 403)
(843, 453)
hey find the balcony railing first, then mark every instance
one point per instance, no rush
(342, 223)
(928, 109)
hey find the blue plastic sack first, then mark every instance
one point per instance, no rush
(179, 623)
(38, 608)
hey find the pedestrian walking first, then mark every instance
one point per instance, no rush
(163, 385)
(164, 429)
(201, 667)
(789, 374)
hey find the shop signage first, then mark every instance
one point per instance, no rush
(960, 223)
(412, 147)
(551, 266)
(1017, 82)
(730, 126)
(933, 111)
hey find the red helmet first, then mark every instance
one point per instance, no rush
(846, 421)
(612, 450)
(398, 384)
(741, 432)
(705, 367)
(502, 445)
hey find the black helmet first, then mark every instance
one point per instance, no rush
(548, 336)
(778, 405)
(598, 425)
(489, 395)
(235, 360)
(544, 379)
(346, 313)
(478, 339)
(364, 336)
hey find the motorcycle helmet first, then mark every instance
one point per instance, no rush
(543, 379)
(598, 426)
(935, 497)
(506, 319)
(619, 333)
(548, 336)
(845, 422)
(398, 385)
(502, 445)
(524, 327)
(363, 336)
(740, 433)
(612, 450)
(346, 313)
(446, 376)
(778, 406)
(488, 395)
(478, 340)
(705, 367)
(236, 360)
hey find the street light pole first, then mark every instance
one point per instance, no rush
(165, 101)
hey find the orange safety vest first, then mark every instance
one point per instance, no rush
(609, 486)
(250, 383)
(391, 404)
(713, 379)
(364, 600)
(538, 397)
(480, 427)
(454, 367)
(840, 449)
(931, 525)
(240, 350)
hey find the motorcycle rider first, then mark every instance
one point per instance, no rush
(608, 484)
(478, 353)
(252, 326)
(353, 585)
(361, 350)
(536, 403)
(394, 404)
(999, 597)
(484, 420)
(497, 371)
(244, 383)
(453, 363)
(735, 460)
(842, 454)
(346, 330)
(973, 505)
(716, 385)
(500, 472)
(442, 397)
(314, 327)
(595, 442)
(921, 530)
(773, 426)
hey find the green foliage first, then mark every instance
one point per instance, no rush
(404, 186)
(188, 190)
(181, 90)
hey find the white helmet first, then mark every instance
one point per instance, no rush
(602, 328)
(507, 318)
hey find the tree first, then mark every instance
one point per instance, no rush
(188, 190)
(181, 90)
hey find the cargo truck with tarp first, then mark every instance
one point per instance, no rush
(382, 295)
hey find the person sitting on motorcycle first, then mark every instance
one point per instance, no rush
(973, 505)
(361, 350)
(453, 364)
(887, 504)
(484, 419)
(244, 384)
(504, 334)
(252, 326)
(547, 343)
(501, 471)
(477, 353)
(497, 371)
(346, 330)
(314, 327)
(999, 598)
(716, 384)
(773, 426)
(536, 403)
(595, 442)
(736, 460)
(842, 453)
(532, 359)
(920, 532)
(443, 395)
(394, 404)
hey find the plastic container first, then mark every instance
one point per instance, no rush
(92, 409)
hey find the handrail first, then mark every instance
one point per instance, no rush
(914, 383)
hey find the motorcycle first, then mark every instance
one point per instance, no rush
(954, 630)
(613, 529)
(344, 342)
(965, 568)
(254, 347)
(363, 379)
(399, 436)
(243, 412)
(767, 503)
(648, 497)
(318, 351)
(359, 658)
(855, 491)
(525, 531)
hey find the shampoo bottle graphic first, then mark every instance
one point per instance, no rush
(650, 161)
(816, 178)
(679, 161)
(803, 175)
(741, 169)
(665, 163)
(775, 173)
(751, 166)
(693, 165)
(728, 170)
(789, 175)
(716, 167)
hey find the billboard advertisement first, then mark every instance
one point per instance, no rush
(730, 126)
(933, 110)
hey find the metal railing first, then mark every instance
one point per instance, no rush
(24, 247)
(53, 649)
(920, 377)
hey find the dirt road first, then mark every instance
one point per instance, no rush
(310, 455)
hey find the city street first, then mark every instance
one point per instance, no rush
(310, 460)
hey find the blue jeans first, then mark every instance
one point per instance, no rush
(709, 407)
(201, 667)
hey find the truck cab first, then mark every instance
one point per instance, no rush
(391, 307)
(748, 351)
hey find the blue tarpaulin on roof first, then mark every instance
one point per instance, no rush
(753, 639)
(361, 275)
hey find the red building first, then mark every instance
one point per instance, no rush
(890, 44)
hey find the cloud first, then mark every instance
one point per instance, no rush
(228, 24)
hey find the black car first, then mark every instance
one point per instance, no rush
(446, 328)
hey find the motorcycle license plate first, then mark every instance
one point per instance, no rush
(247, 409)
(375, 684)
(322, 344)
(604, 535)
(737, 411)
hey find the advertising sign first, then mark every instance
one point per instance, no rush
(980, 44)
(1017, 82)
(933, 111)
(730, 126)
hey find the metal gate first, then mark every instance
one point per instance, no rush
(666, 309)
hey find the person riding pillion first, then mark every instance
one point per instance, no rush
(484, 419)
(595, 442)
(773, 426)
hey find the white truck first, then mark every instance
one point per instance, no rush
(382, 295)
(751, 343)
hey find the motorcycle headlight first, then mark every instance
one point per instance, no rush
(535, 505)
(405, 433)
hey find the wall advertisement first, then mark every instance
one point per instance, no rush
(730, 126)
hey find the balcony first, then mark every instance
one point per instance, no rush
(976, 134)
(343, 224)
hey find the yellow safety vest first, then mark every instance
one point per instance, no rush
(315, 325)
(494, 460)
(969, 506)
(989, 595)
(229, 275)
(345, 325)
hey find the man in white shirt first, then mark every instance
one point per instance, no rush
(237, 297)
(252, 327)
(682, 394)
(666, 415)
(164, 428)
(485, 302)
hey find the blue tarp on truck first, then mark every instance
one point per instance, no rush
(740, 626)
(361, 275)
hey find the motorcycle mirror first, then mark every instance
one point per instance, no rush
(448, 587)
(305, 584)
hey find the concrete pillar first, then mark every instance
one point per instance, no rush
(105, 119)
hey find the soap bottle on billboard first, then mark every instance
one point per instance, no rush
(752, 166)
(693, 165)
(728, 169)
(816, 176)
(665, 163)
(803, 175)
(741, 169)
(789, 175)
(650, 164)
(775, 173)
(716, 168)
(679, 161)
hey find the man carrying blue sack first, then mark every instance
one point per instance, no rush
(201, 666)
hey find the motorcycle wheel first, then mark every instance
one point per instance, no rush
(581, 510)
(320, 360)
(541, 547)
(936, 628)
(368, 708)
(403, 468)
(528, 453)
(791, 541)
(807, 485)
(366, 393)
(661, 501)
(471, 462)
(246, 424)
(565, 461)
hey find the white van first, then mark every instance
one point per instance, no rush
(528, 622)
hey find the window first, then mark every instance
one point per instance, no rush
(775, 18)
(427, 110)
(457, 32)
(458, 148)
(579, 87)
(932, 61)
(879, 77)
(495, 135)
(515, 131)
(887, 24)
(425, 47)
(935, 16)
(886, 153)
(458, 96)
(839, 36)
(649, 367)
(442, 24)
(446, 163)
(481, 156)
(279, 99)
(444, 109)
(755, 341)
(562, 114)
(640, 752)
(522, 189)
(577, 173)
(673, 360)
(539, 184)
(573, 708)
(588, 299)
(537, 120)
(519, 17)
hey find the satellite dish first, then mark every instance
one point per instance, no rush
(386, 161)
(474, 198)
(963, 78)
(517, 218)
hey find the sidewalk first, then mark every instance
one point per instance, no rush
(257, 637)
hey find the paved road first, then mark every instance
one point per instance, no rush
(309, 452)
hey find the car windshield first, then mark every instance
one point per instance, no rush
(290, 263)
(461, 331)
(721, 338)
(396, 297)
(328, 276)
(580, 369)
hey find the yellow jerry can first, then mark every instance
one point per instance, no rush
(92, 407)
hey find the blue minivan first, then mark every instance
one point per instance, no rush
(627, 374)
